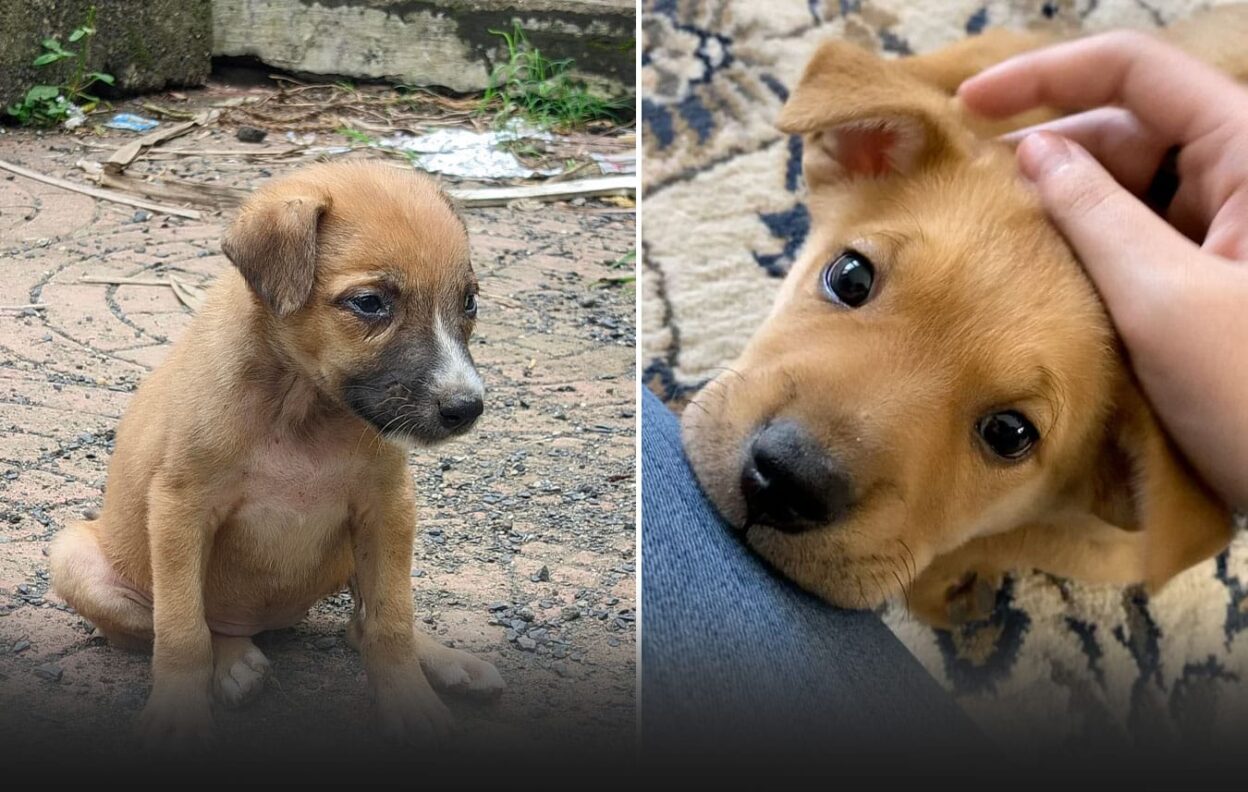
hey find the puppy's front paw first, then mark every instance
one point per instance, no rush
(946, 604)
(177, 719)
(455, 671)
(409, 712)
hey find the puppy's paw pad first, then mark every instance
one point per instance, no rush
(237, 682)
(459, 672)
(974, 598)
(413, 716)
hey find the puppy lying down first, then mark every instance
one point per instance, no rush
(937, 396)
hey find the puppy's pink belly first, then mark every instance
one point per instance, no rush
(247, 625)
(223, 620)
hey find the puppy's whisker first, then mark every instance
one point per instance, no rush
(699, 405)
(913, 569)
(905, 592)
(729, 370)
(879, 583)
(363, 431)
(382, 432)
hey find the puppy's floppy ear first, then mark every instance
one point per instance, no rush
(1181, 521)
(273, 242)
(863, 116)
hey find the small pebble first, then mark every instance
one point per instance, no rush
(50, 671)
(250, 134)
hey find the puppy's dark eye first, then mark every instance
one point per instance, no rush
(1008, 434)
(470, 304)
(849, 278)
(369, 306)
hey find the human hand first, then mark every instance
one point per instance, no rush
(1176, 286)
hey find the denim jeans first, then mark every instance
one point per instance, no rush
(740, 666)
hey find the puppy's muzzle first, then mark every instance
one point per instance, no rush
(790, 483)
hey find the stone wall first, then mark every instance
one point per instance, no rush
(146, 44)
(151, 44)
(427, 42)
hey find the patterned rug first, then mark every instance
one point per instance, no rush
(1058, 661)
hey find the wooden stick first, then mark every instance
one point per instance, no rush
(498, 196)
(124, 281)
(212, 195)
(103, 195)
(26, 307)
(165, 153)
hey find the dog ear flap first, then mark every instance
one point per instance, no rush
(863, 116)
(273, 242)
(1181, 520)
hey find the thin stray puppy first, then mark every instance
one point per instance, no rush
(937, 397)
(263, 465)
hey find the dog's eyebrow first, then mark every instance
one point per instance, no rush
(385, 278)
(1044, 387)
(1051, 392)
(900, 240)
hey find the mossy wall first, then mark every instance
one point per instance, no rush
(428, 42)
(146, 44)
(152, 44)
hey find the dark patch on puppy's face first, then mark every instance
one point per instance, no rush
(422, 385)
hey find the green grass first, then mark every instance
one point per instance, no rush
(542, 91)
(627, 260)
(356, 136)
(47, 105)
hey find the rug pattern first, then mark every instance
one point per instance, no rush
(724, 218)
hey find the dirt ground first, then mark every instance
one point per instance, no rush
(525, 542)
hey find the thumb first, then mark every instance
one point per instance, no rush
(1127, 249)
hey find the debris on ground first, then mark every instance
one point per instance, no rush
(106, 195)
(470, 154)
(553, 191)
(248, 134)
(131, 122)
(613, 164)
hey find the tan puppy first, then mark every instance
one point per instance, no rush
(263, 465)
(937, 396)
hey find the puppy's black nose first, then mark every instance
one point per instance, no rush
(789, 482)
(459, 411)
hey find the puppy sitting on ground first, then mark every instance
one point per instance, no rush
(263, 465)
(937, 396)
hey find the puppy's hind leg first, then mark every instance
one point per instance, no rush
(84, 577)
(239, 669)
